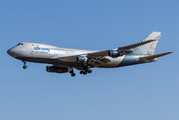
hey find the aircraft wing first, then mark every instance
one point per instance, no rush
(99, 57)
(125, 48)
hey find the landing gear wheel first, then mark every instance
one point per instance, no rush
(89, 71)
(85, 70)
(25, 66)
(81, 72)
(73, 74)
(84, 73)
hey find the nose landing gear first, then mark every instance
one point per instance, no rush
(25, 66)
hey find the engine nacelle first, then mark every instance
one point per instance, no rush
(81, 59)
(57, 69)
(115, 53)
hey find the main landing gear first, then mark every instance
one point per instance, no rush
(86, 70)
(25, 66)
(72, 72)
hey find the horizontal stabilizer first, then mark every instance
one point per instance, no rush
(155, 56)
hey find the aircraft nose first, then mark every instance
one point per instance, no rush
(13, 52)
(10, 52)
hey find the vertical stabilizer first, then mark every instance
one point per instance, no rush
(149, 48)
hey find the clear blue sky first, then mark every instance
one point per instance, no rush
(141, 92)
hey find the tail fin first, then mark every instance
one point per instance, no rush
(148, 49)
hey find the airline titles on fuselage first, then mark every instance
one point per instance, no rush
(47, 50)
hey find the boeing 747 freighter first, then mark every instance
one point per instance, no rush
(63, 60)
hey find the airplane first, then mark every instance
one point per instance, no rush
(63, 60)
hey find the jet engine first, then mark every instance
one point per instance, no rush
(82, 59)
(57, 69)
(115, 53)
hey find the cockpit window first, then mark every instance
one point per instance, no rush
(20, 44)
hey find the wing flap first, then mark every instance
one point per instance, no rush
(105, 60)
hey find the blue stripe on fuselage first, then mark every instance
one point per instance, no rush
(130, 60)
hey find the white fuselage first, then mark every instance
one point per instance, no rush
(42, 53)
